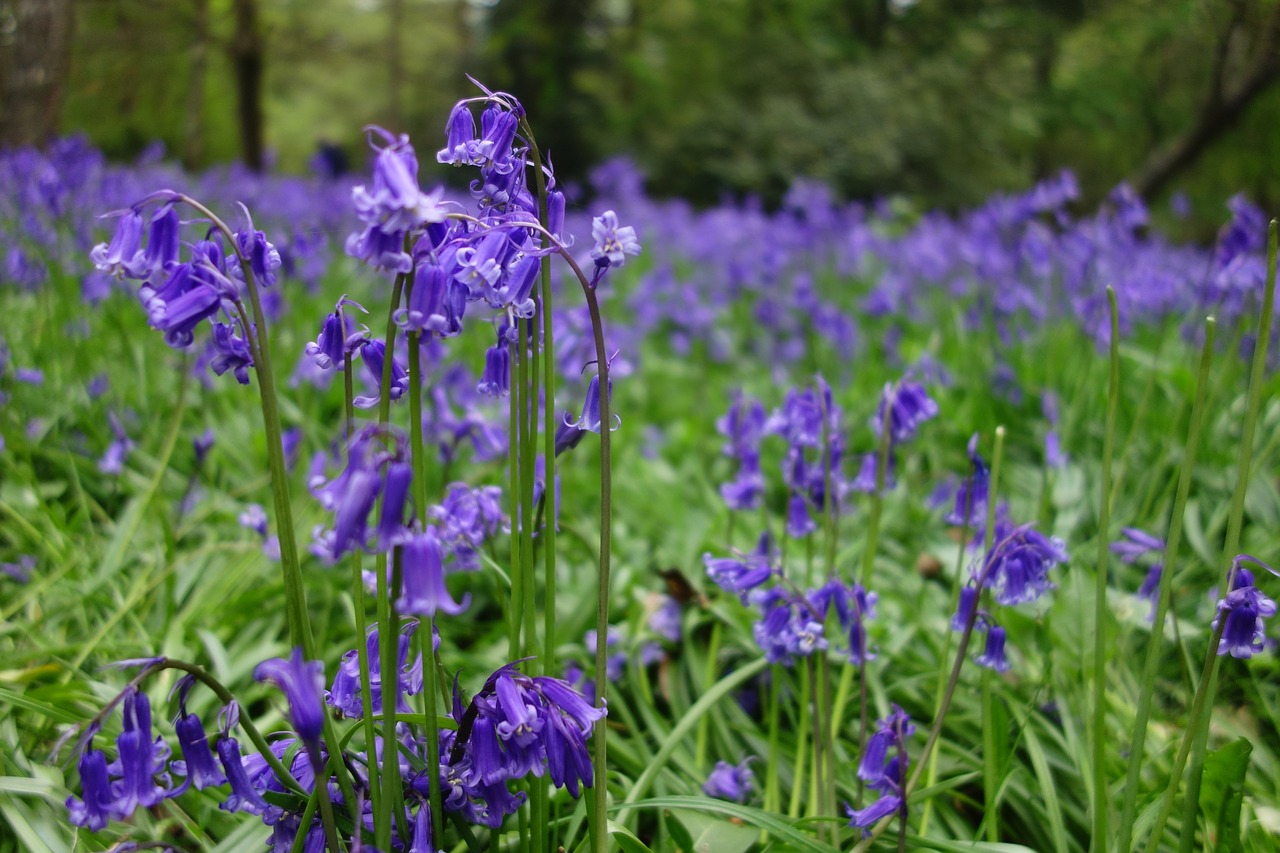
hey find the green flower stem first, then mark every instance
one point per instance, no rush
(877, 499)
(939, 691)
(990, 772)
(515, 611)
(1128, 812)
(1101, 801)
(708, 679)
(802, 742)
(1257, 380)
(295, 595)
(772, 790)
(388, 619)
(425, 639)
(962, 651)
(300, 634)
(361, 613)
(525, 459)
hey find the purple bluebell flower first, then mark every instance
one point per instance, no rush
(233, 353)
(197, 763)
(495, 381)
(612, 242)
(98, 805)
(903, 407)
(120, 256)
(395, 203)
(254, 518)
(993, 655)
(461, 145)
(163, 240)
(884, 772)
(567, 435)
(729, 782)
(970, 505)
(1137, 544)
(665, 620)
(20, 570)
(799, 522)
(29, 375)
(1245, 608)
(112, 461)
(746, 490)
(244, 796)
(436, 303)
(866, 480)
(395, 494)
(743, 427)
(1150, 589)
(964, 608)
(345, 693)
(424, 591)
(98, 386)
(589, 420)
(374, 353)
(1018, 565)
(140, 758)
(303, 685)
(335, 342)
(738, 575)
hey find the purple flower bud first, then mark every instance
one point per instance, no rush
(460, 140)
(496, 378)
(244, 796)
(118, 257)
(1245, 608)
(589, 420)
(964, 609)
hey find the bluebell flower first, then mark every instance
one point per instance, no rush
(141, 757)
(1017, 567)
(395, 203)
(336, 340)
(903, 407)
(374, 353)
(612, 242)
(970, 505)
(799, 522)
(964, 608)
(738, 575)
(1149, 591)
(303, 685)
(424, 591)
(244, 796)
(884, 772)
(729, 782)
(233, 353)
(589, 420)
(112, 461)
(163, 240)
(993, 656)
(866, 480)
(1136, 544)
(666, 621)
(120, 256)
(345, 693)
(436, 304)
(1245, 608)
(98, 805)
(495, 381)
(197, 763)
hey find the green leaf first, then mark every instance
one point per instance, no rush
(1222, 791)
(769, 822)
(715, 836)
(627, 839)
(680, 836)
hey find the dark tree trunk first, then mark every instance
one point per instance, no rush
(1222, 109)
(193, 129)
(247, 59)
(35, 42)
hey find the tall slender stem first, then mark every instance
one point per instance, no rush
(1128, 811)
(1101, 802)
(1257, 378)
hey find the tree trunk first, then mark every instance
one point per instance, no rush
(1223, 108)
(35, 42)
(247, 60)
(193, 129)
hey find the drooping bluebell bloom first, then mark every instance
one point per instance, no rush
(799, 522)
(970, 505)
(866, 480)
(233, 353)
(567, 436)
(244, 796)
(395, 203)
(395, 493)
(163, 240)
(336, 340)
(612, 242)
(197, 763)
(589, 420)
(467, 519)
(141, 757)
(993, 655)
(742, 426)
(788, 629)
(1137, 544)
(739, 575)
(729, 782)
(424, 591)
(461, 143)
(112, 461)
(903, 407)
(98, 805)
(374, 353)
(432, 306)
(1245, 608)
(666, 620)
(120, 256)
(1150, 589)
(964, 608)
(303, 684)
(746, 490)
(1017, 567)
(884, 772)
(495, 381)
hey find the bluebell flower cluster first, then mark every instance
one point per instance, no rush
(793, 624)
(884, 769)
(904, 405)
(743, 428)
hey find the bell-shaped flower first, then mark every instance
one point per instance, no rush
(303, 685)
